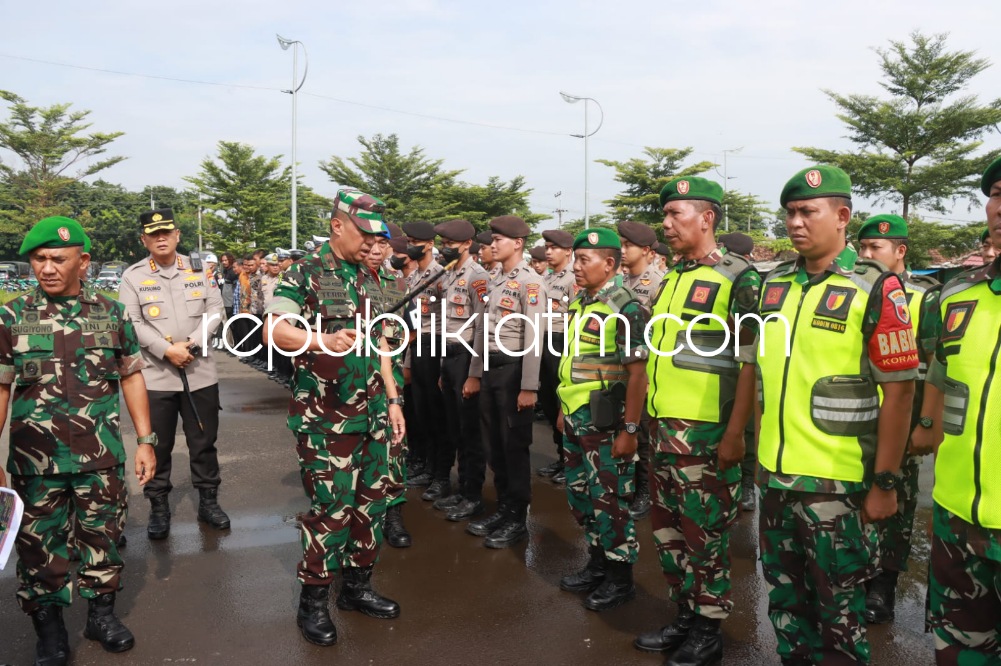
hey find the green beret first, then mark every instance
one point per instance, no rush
(883, 226)
(55, 232)
(691, 187)
(991, 176)
(817, 182)
(984, 236)
(593, 239)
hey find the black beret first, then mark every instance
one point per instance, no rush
(394, 230)
(737, 243)
(455, 230)
(511, 226)
(484, 237)
(559, 238)
(155, 220)
(538, 253)
(399, 244)
(474, 249)
(638, 233)
(663, 249)
(419, 230)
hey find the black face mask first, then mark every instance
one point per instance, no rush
(449, 254)
(415, 252)
(397, 262)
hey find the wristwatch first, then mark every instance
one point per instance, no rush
(148, 439)
(926, 422)
(396, 401)
(632, 428)
(886, 480)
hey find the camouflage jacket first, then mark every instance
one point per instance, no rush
(334, 394)
(65, 357)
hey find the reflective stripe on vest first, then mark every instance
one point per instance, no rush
(687, 385)
(597, 366)
(967, 481)
(820, 407)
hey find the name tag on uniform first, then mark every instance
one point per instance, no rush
(32, 329)
(98, 326)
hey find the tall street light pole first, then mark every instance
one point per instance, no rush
(573, 99)
(726, 181)
(294, 90)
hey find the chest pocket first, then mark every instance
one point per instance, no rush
(100, 349)
(459, 304)
(195, 295)
(34, 357)
(509, 301)
(334, 302)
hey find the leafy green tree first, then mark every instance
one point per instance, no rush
(574, 227)
(746, 213)
(916, 147)
(643, 178)
(53, 151)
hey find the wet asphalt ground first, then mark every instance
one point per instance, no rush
(208, 597)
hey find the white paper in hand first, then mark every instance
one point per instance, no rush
(11, 510)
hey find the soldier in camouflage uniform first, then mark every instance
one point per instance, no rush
(836, 331)
(391, 291)
(67, 350)
(883, 238)
(602, 391)
(700, 400)
(965, 582)
(344, 410)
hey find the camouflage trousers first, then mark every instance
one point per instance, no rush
(965, 591)
(396, 486)
(694, 505)
(88, 508)
(599, 487)
(816, 553)
(345, 477)
(895, 531)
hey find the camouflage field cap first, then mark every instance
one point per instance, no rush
(365, 210)
(883, 226)
(991, 175)
(593, 239)
(157, 220)
(817, 182)
(691, 188)
(55, 232)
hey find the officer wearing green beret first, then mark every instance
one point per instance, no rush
(560, 289)
(836, 333)
(966, 542)
(602, 387)
(883, 238)
(700, 401)
(67, 350)
(345, 409)
(988, 251)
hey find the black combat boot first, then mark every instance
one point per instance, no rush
(103, 625)
(447, 503)
(420, 480)
(509, 532)
(313, 617)
(588, 578)
(209, 510)
(397, 535)
(703, 647)
(159, 518)
(467, 508)
(437, 490)
(615, 590)
(484, 526)
(881, 598)
(560, 478)
(52, 648)
(669, 638)
(550, 470)
(747, 493)
(640, 507)
(357, 594)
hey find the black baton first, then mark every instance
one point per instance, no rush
(193, 349)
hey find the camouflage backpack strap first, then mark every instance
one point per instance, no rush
(868, 274)
(732, 266)
(922, 283)
(963, 281)
(784, 268)
(617, 298)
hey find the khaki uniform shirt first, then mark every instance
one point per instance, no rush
(645, 284)
(561, 288)
(519, 292)
(462, 291)
(268, 284)
(170, 301)
(424, 303)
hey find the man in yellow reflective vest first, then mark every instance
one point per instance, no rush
(836, 330)
(883, 238)
(699, 402)
(966, 544)
(601, 391)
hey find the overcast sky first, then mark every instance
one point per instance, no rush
(710, 75)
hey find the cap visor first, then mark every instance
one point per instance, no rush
(160, 226)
